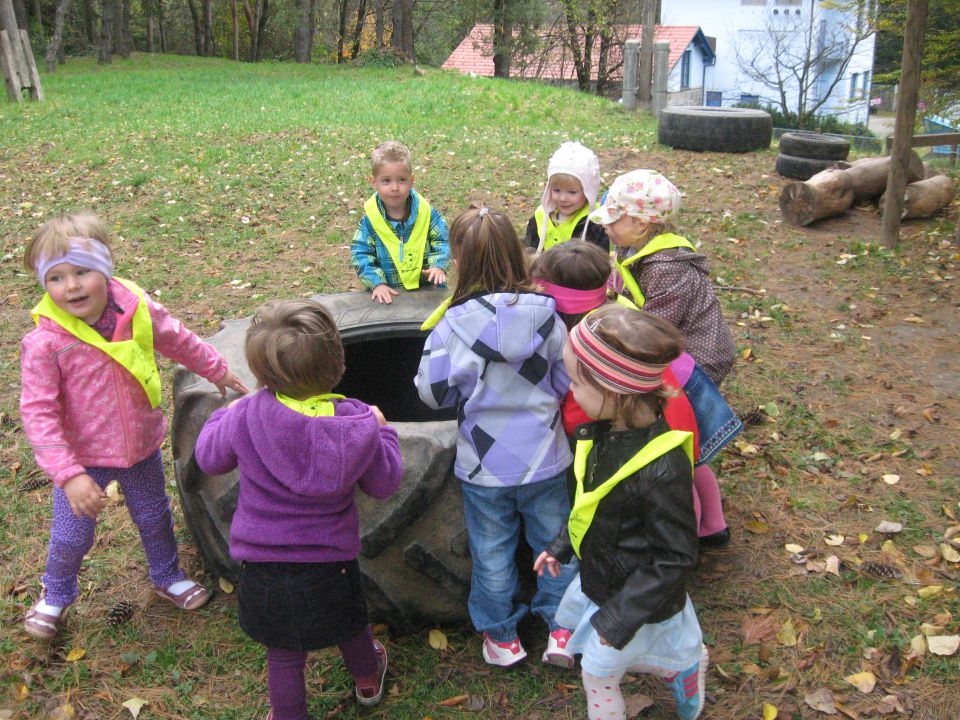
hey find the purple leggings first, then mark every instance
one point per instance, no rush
(71, 537)
(288, 691)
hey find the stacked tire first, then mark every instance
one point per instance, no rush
(804, 154)
(714, 129)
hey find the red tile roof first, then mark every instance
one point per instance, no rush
(475, 53)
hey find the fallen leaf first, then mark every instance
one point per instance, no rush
(437, 640)
(943, 618)
(134, 705)
(943, 644)
(820, 457)
(872, 654)
(816, 566)
(926, 470)
(890, 704)
(746, 448)
(949, 553)
(758, 629)
(793, 548)
(931, 415)
(771, 409)
(22, 692)
(770, 712)
(918, 645)
(888, 547)
(821, 700)
(636, 704)
(454, 701)
(75, 654)
(225, 585)
(833, 565)
(863, 681)
(925, 551)
(787, 634)
(834, 540)
(757, 527)
(889, 527)
(63, 712)
(863, 537)
(929, 591)
(891, 479)
(929, 629)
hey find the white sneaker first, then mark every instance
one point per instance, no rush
(556, 652)
(503, 654)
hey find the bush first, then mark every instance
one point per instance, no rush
(816, 123)
(385, 57)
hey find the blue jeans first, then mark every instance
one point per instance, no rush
(493, 527)
(717, 422)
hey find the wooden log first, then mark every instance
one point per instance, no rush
(827, 193)
(925, 197)
(869, 175)
(36, 91)
(8, 66)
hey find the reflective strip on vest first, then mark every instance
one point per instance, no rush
(551, 234)
(437, 315)
(660, 242)
(407, 256)
(314, 406)
(585, 503)
(134, 355)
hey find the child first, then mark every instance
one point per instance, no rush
(573, 183)
(496, 355)
(400, 236)
(632, 523)
(575, 274)
(90, 404)
(301, 451)
(662, 272)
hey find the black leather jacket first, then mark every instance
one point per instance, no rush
(642, 542)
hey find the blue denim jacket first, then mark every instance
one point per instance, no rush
(717, 422)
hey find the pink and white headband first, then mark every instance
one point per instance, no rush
(612, 369)
(84, 252)
(570, 301)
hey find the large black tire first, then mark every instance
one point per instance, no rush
(690, 127)
(414, 553)
(800, 168)
(814, 145)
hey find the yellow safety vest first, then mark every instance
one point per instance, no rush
(585, 503)
(407, 256)
(134, 355)
(551, 234)
(660, 242)
(314, 406)
(431, 322)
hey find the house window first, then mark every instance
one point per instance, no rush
(749, 99)
(865, 86)
(853, 86)
(714, 98)
(753, 2)
(685, 70)
(789, 2)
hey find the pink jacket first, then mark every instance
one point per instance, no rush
(81, 408)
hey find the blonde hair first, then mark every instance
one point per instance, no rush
(294, 347)
(565, 180)
(390, 151)
(55, 235)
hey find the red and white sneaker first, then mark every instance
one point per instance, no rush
(369, 691)
(503, 654)
(556, 652)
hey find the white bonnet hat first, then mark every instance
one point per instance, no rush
(644, 194)
(574, 159)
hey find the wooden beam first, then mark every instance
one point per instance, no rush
(8, 66)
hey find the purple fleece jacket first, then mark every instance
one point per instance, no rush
(297, 476)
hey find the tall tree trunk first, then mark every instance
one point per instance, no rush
(90, 22)
(116, 32)
(104, 55)
(402, 37)
(262, 31)
(379, 23)
(126, 38)
(236, 29)
(161, 27)
(20, 13)
(603, 80)
(197, 27)
(38, 13)
(342, 10)
(301, 34)
(502, 39)
(313, 25)
(53, 49)
(253, 15)
(209, 47)
(358, 27)
(148, 16)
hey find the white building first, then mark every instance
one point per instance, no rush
(763, 45)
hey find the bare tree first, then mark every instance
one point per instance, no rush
(379, 22)
(90, 22)
(800, 60)
(587, 23)
(303, 33)
(358, 27)
(402, 37)
(105, 51)
(197, 27)
(209, 44)
(256, 16)
(236, 29)
(343, 10)
(56, 42)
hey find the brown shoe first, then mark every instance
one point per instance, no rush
(193, 597)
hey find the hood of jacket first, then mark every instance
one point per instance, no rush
(312, 456)
(504, 327)
(695, 260)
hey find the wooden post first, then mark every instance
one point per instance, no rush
(646, 52)
(906, 116)
(661, 55)
(8, 66)
(631, 51)
(8, 22)
(36, 92)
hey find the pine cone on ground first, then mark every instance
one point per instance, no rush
(881, 570)
(754, 417)
(34, 483)
(120, 613)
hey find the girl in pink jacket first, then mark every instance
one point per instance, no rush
(90, 404)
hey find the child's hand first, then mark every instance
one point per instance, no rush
(85, 496)
(229, 380)
(384, 294)
(378, 415)
(436, 276)
(603, 641)
(546, 561)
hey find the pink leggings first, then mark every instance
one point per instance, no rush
(706, 502)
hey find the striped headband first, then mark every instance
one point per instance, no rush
(84, 252)
(612, 369)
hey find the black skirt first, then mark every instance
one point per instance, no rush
(301, 606)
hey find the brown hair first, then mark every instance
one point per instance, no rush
(488, 253)
(294, 347)
(644, 337)
(54, 236)
(391, 151)
(575, 264)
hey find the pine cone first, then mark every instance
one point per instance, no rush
(34, 483)
(881, 570)
(754, 417)
(120, 613)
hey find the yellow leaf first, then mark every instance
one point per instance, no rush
(64, 712)
(134, 705)
(926, 470)
(833, 565)
(943, 644)
(928, 629)
(746, 354)
(891, 479)
(22, 692)
(76, 654)
(769, 712)
(793, 548)
(787, 635)
(918, 645)
(746, 448)
(225, 585)
(929, 591)
(949, 553)
(925, 551)
(863, 681)
(757, 527)
(438, 641)
(888, 547)
(834, 539)
(863, 537)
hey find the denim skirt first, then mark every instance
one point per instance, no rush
(301, 606)
(717, 422)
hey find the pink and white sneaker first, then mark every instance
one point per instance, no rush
(503, 654)
(556, 652)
